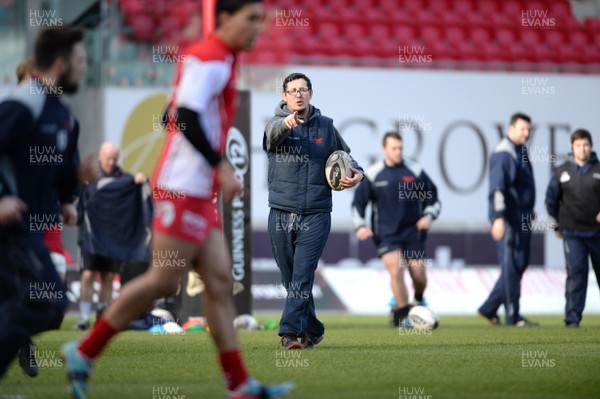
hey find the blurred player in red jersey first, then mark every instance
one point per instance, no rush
(187, 221)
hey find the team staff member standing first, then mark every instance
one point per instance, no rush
(298, 140)
(404, 202)
(511, 201)
(573, 200)
(188, 231)
(91, 220)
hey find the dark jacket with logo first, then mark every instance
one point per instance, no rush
(573, 196)
(297, 157)
(512, 188)
(400, 195)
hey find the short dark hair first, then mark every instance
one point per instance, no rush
(53, 43)
(581, 134)
(295, 76)
(519, 115)
(232, 6)
(391, 134)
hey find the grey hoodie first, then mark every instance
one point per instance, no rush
(297, 157)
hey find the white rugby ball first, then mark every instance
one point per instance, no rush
(245, 322)
(173, 328)
(163, 314)
(337, 167)
(423, 318)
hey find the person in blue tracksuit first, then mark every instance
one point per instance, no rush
(511, 201)
(39, 163)
(298, 140)
(404, 203)
(573, 202)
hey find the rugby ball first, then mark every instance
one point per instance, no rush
(337, 167)
(172, 328)
(423, 318)
(163, 314)
(245, 322)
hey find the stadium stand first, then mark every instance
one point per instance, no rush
(461, 34)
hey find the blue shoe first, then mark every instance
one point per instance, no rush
(392, 302)
(405, 323)
(253, 389)
(78, 370)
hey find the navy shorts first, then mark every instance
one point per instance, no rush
(411, 249)
(98, 263)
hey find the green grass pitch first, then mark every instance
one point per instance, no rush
(361, 357)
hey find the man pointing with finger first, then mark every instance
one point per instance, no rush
(298, 140)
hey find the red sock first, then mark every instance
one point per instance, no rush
(233, 368)
(94, 342)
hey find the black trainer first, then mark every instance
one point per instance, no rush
(27, 359)
(82, 326)
(308, 343)
(493, 319)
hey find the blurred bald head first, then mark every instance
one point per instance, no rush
(108, 157)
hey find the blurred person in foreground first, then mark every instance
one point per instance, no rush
(187, 228)
(573, 203)
(52, 237)
(39, 163)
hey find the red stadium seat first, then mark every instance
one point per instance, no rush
(492, 52)
(158, 8)
(480, 36)
(415, 5)
(569, 55)
(592, 24)
(449, 18)
(468, 51)
(505, 37)
(542, 53)
(555, 39)
(511, 8)
(143, 27)
(380, 32)
(354, 31)
(500, 20)
(579, 39)
(535, 5)
(438, 6)
(440, 51)
(404, 34)
(488, 7)
(560, 10)
(462, 6)
(592, 55)
(455, 35)
(466, 11)
(430, 34)
(328, 30)
(530, 37)
(374, 16)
